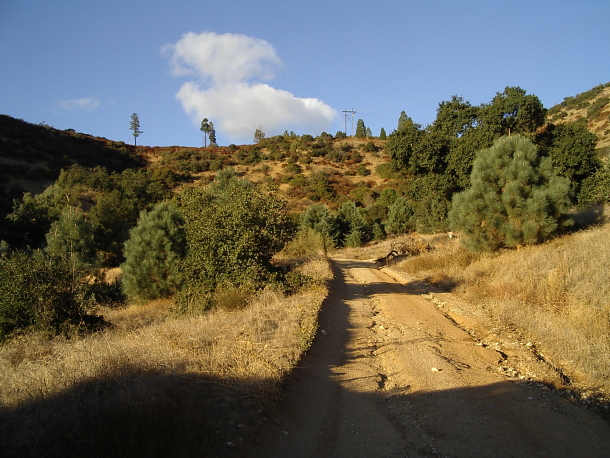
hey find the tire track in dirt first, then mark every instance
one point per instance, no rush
(390, 375)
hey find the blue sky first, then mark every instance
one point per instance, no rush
(283, 65)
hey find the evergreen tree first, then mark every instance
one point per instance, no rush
(382, 134)
(319, 218)
(212, 135)
(400, 217)
(134, 126)
(360, 129)
(403, 121)
(153, 254)
(515, 197)
(205, 128)
(353, 225)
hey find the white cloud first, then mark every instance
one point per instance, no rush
(84, 104)
(230, 67)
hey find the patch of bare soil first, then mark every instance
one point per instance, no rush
(400, 370)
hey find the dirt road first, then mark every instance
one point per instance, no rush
(391, 374)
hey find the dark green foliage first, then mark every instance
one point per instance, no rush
(400, 217)
(43, 293)
(114, 203)
(387, 171)
(515, 198)
(319, 218)
(232, 233)
(404, 121)
(455, 117)
(353, 225)
(117, 211)
(571, 148)
(512, 111)
(360, 129)
(153, 253)
(387, 197)
(382, 134)
(249, 156)
(596, 188)
(294, 168)
(430, 195)
(205, 128)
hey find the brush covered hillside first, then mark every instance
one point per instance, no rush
(32, 155)
(142, 286)
(593, 107)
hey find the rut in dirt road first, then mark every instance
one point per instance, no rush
(390, 375)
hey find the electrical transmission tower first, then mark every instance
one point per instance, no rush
(346, 114)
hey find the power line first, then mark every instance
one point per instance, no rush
(346, 113)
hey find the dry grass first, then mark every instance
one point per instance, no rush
(155, 380)
(556, 294)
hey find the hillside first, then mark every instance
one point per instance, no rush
(32, 155)
(305, 169)
(592, 106)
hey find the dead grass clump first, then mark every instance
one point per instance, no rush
(189, 382)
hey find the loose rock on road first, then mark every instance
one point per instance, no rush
(391, 375)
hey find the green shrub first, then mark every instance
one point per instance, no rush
(362, 170)
(215, 166)
(43, 293)
(232, 233)
(386, 171)
(369, 147)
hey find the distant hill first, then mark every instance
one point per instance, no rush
(593, 106)
(31, 156)
(306, 169)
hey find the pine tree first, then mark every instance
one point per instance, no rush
(212, 135)
(153, 253)
(205, 128)
(382, 134)
(515, 197)
(134, 126)
(360, 129)
(400, 217)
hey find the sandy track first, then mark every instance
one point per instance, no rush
(389, 374)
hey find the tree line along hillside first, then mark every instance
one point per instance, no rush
(501, 173)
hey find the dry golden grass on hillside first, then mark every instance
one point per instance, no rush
(154, 376)
(557, 294)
